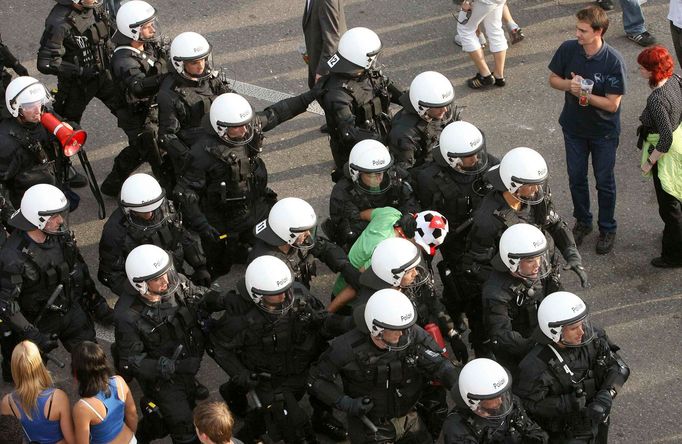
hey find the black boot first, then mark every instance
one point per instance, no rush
(112, 184)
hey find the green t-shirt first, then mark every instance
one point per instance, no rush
(380, 227)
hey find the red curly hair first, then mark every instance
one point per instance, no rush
(658, 61)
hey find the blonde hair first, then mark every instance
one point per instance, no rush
(215, 420)
(30, 375)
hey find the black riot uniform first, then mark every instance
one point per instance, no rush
(148, 339)
(347, 201)
(493, 216)
(31, 273)
(302, 261)
(137, 75)
(269, 354)
(75, 48)
(120, 237)
(432, 406)
(412, 138)
(392, 380)
(224, 189)
(28, 156)
(356, 108)
(463, 426)
(183, 103)
(456, 196)
(555, 391)
(7, 60)
(510, 306)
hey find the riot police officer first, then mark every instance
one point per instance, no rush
(185, 96)
(270, 333)
(8, 60)
(512, 293)
(453, 183)
(290, 234)
(138, 66)
(370, 180)
(224, 192)
(568, 381)
(384, 364)
(427, 109)
(159, 342)
(491, 413)
(355, 95)
(520, 194)
(145, 216)
(29, 153)
(398, 263)
(75, 47)
(45, 287)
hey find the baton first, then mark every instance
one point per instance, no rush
(176, 353)
(463, 226)
(369, 424)
(49, 303)
(56, 361)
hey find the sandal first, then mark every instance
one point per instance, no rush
(478, 81)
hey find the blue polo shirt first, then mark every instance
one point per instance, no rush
(607, 69)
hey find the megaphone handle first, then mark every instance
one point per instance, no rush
(92, 182)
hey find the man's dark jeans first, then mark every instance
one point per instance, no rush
(603, 151)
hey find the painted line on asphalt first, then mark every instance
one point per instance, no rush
(637, 304)
(269, 95)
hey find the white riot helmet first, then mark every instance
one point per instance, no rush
(24, 92)
(370, 157)
(458, 143)
(132, 16)
(43, 207)
(95, 4)
(150, 271)
(187, 47)
(231, 110)
(270, 276)
(392, 310)
(431, 89)
(524, 166)
(523, 249)
(485, 387)
(563, 310)
(391, 259)
(143, 201)
(357, 50)
(288, 220)
(432, 227)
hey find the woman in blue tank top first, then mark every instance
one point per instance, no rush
(106, 412)
(44, 411)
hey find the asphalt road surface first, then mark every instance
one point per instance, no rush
(257, 42)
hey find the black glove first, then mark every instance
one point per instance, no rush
(188, 366)
(166, 367)
(246, 380)
(573, 402)
(201, 277)
(88, 73)
(600, 407)
(355, 406)
(575, 264)
(102, 312)
(20, 69)
(210, 233)
(222, 76)
(459, 349)
(46, 342)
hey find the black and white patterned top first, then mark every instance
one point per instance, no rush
(663, 112)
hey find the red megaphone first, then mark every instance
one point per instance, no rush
(70, 140)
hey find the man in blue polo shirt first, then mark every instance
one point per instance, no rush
(591, 126)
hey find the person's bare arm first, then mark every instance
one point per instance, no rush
(609, 103)
(344, 296)
(81, 423)
(130, 409)
(60, 404)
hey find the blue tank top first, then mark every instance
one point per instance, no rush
(112, 424)
(39, 428)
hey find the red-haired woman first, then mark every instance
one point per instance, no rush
(661, 143)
